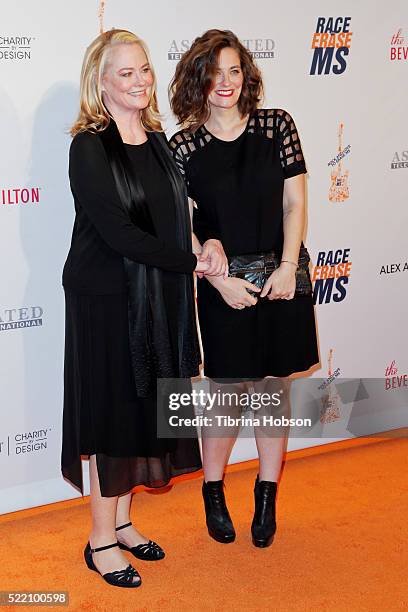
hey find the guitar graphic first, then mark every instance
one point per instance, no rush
(329, 411)
(101, 13)
(339, 190)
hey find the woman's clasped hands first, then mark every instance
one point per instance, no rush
(213, 264)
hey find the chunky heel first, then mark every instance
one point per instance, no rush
(263, 526)
(218, 520)
(121, 578)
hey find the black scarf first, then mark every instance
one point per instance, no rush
(150, 347)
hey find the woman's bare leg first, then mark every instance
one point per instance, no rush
(103, 532)
(271, 441)
(217, 442)
(130, 535)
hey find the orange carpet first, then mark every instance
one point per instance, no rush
(341, 544)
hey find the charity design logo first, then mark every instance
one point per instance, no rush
(393, 378)
(19, 318)
(260, 48)
(330, 276)
(398, 47)
(339, 188)
(20, 195)
(15, 48)
(24, 442)
(331, 43)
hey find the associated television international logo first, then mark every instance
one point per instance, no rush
(19, 318)
(260, 48)
(331, 276)
(20, 195)
(399, 160)
(339, 189)
(331, 44)
(399, 47)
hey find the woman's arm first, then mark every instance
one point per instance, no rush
(293, 217)
(93, 186)
(211, 251)
(197, 248)
(283, 280)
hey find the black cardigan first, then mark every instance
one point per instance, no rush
(103, 233)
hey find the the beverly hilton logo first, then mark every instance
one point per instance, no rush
(393, 379)
(339, 189)
(19, 318)
(331, 42)
(399, 47)
(260, 48)
(329, 411)
(15, 47)
(20, 195)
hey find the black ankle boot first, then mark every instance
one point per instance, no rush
(264, 524)
(218, 520)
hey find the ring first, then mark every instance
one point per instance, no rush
(240, 306)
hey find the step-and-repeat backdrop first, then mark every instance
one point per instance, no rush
(340, 69)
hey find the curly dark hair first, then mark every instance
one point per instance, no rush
(194, 76)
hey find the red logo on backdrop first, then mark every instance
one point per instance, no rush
(20, 195)
(393, 380)
(399, 47)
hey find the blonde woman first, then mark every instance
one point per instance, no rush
(129, 299)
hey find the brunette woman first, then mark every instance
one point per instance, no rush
(244, 170)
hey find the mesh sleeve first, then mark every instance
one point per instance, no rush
(291, 154)
(180, 154)
(183, 145)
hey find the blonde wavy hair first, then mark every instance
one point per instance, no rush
(93, 116)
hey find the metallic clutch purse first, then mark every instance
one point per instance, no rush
(256, 269)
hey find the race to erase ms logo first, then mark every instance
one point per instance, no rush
(331, 44)
(330, 276)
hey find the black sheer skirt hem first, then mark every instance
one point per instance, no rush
(119, 475)
(103, 414)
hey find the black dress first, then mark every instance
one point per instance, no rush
(238, 190)
(102, 413)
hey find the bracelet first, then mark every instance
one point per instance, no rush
(291, 262)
